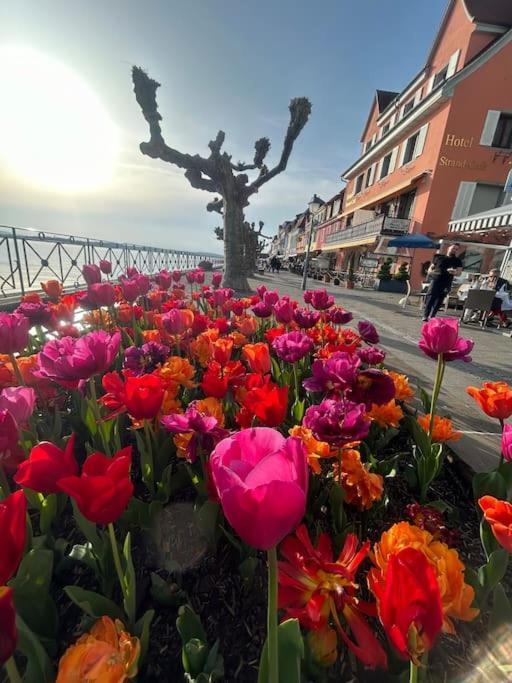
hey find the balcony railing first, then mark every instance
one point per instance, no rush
(383, 225)
(28, 257)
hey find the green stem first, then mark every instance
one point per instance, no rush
(296, 380)
(117, 559)
(149, 456)
(272, 638)
(12, 671)
(413, 673)
(502, 425)
(436, 391)
(17, 370)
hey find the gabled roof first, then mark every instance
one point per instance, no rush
(495, 12)
(384, 98)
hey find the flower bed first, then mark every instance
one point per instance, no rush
(198, 487)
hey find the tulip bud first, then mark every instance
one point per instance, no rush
(506, 442)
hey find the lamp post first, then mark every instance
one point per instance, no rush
(314, 205)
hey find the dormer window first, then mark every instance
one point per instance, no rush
(440, 77)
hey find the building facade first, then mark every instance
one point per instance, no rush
(439, 150)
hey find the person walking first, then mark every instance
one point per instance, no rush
(442, 270)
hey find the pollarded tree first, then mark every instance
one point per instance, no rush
(253, 244)
(217, 173)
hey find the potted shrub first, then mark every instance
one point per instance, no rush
(389, 283)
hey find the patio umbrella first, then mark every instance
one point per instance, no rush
(412, 241)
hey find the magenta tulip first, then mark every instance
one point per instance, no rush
(261, 289)
(67, 361)
(163, 279)
(283, 310)
(91, 273)
(13, 332)
(293, 346)
(131, 289)
(38, 313)
(105, 267)
(11, 453)
(306, 318)
(368, 332)
(19, 401)
(337, 422)
(262, 482)
(216, 279)
(261, 310)
(339, 316)
(177, 275)
(270, 297)
(319, 299)
(441, 336)
(506, 442)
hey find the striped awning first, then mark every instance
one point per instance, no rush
(497, 218)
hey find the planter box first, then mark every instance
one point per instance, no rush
(393, 286)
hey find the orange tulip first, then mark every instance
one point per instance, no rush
(316, 450)
(257, 357)
(386, 415)
(222, 350)
(403, 390)
(362, 488)
(494, 398)
(442, 431)
(247, 325)
(498, 513)
(53, 289)
(105, 655)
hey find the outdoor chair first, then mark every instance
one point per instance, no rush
(479, 300)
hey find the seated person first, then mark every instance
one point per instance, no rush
(501, 286)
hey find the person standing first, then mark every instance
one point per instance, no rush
(442, 270)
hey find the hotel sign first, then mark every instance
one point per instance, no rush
(456, 141)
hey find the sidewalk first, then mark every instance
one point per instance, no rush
(399, 331)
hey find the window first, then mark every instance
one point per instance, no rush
(349, 220)
(408, 107)
(405, 204)
(368, 145)
(385, 165)
(385, 129)
(368, 178)
(440, 77)
(359, 183)
(410, 148)
(503, 135)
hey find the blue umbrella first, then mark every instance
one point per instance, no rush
(413, 242)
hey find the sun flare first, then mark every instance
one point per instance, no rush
(54, 131)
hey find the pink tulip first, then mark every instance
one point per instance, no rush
(176, 321)
(262, 482)
(261, 289)
(19, 401)
(131, 290)
(216, 279)
(368, 332)
(91, 273)
(176, 275)
(270, 297)
(191, 276)
(11, 453)
(319, 299)
(14, 329)
(441, 336)
(283, 310)
(131, 271)
(164, 279)
(199, 276)
(105, 266)
(101, 294)
(143, 283)
(506, 442)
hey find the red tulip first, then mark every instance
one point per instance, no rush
(268, 403)
(105, 266)
(104, 488)
(143, 396)
(13, 532)
(409, 603)
(11, 453)
(498, 514)
(8, 634)
(47, 464)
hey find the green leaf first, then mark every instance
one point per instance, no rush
(298, 409)
(130, 599)
(489, 543)
(89, 419)
(48, 513)
(420, 436)
(426, 400)
(291, 654)
(194, 655)
(142, 628)
(90, 531)
(501, 610)
(336, 497)
(39, 668)
(31, 589)
(492, 573)
(276, 370)
(208, 517)
(189, 625)
(93, 604)
(489, 484)
(214, 665)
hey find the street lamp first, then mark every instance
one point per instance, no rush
(314, 205)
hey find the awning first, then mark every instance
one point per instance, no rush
(354, 243)
(499, 238)
(386, 194)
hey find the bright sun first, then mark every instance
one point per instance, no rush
(54, 131)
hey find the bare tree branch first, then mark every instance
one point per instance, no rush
(261, 148)
(215, 205)
(300, 109)
(195, 178)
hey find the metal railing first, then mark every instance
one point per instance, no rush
(382, 225)
(28, 257)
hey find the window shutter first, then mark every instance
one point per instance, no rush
(452, 64)
(430, 85)
(402, 154)
(491, 123)
(378, 170)
(392, 162)
(372, 175)
(417, 97)
(401, 114)
(392, 121)
(463, 202)
(420, 142)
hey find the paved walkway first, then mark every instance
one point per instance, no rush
(400, 331)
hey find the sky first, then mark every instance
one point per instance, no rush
(223, 64)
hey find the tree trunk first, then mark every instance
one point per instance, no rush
(234, 273)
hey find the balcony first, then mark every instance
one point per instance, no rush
(377, 227)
